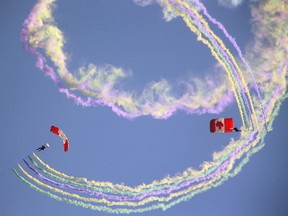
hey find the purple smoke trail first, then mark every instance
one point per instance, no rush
(184, 184)
(97, 102)
(61, 184)
(224, 54)
(126, 198)
(41, 63)
(41, 60)
(43, 66)
(232, 40)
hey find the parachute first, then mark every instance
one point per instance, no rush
(61, 134)
(160, 101)
(222, 125)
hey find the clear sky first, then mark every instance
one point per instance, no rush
(106, 147)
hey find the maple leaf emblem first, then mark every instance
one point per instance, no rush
(219, 125)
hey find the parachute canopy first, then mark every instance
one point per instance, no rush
(221, 125)
(60, 133)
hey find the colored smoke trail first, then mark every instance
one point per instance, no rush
(232, 40)
(218, 50)
(97, 82)
(270, 71)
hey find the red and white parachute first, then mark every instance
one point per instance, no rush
(61, 134)
(222, 125)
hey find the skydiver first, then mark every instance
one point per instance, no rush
(236, 129)
(42, 147)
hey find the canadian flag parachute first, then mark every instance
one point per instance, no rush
(61, 134)
(221, 125)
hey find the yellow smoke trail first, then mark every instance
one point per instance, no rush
(207, 43)
(172, 195)
(127, 203)
(276, 80)
(101, 81)
(229, 54)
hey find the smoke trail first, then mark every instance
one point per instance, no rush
(96, 82)
(218, 50)
(232, 40)
(270, 71)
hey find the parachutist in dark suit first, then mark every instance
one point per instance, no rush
(42, 147)
(236, 129)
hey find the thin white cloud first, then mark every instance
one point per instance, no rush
(233, 3)
(167, 16)
(144, 3)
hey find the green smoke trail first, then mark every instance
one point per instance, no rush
(268, 57)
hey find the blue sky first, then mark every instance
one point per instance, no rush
(106, 147)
